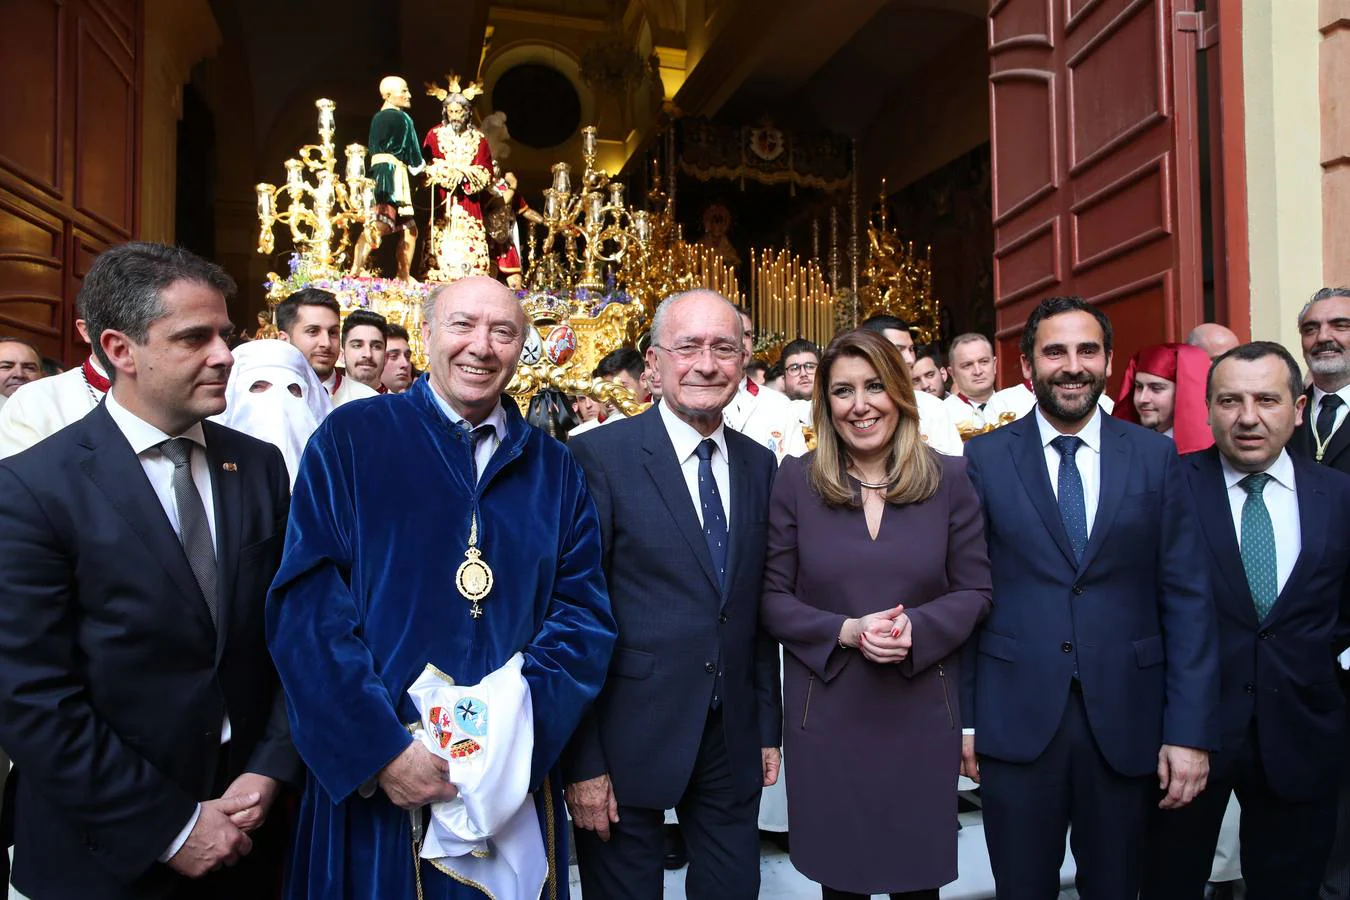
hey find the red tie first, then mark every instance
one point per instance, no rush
(752, 387)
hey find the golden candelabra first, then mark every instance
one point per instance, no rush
(789, 298)
(898, 279)
(970, 430)
(592, 211)
(321, 210)
(665, 263)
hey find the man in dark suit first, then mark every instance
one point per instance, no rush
(1097, 666)
(1324, 331)
(691, 716)
(137, 698)
(1276, 529)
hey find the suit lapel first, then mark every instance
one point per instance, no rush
(118, 474)
(665, 473)
(1029, 461)
(1312, 525)
(1216, 521)
(1114, 466)
(1339, 443)
(227, 493)
(739, 475)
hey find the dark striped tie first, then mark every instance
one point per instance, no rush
(193, 528)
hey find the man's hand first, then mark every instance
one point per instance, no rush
(416, 778)
(970, 766)
(875, 623)
(773, 761)
(883, 645)
(592, 805)
(214, 841)
(251, 819)
(1182, 772)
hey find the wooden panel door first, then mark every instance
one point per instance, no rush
(1095, 166)
(69, 148)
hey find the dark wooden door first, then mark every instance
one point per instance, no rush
(1095, 166)
(69, 151)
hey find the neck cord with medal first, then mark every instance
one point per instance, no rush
(473, 578)
(1319, 445)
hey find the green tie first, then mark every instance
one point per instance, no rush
(1258, 545)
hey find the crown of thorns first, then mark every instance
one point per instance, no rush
(473, 89)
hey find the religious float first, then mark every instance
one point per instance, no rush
(590, 266)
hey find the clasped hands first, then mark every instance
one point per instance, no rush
(220, 836)
(882, 637)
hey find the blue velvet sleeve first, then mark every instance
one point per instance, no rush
(313, 631)
(566, 662)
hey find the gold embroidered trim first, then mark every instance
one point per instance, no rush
(551, 841)
(460, 878)
(439, 674)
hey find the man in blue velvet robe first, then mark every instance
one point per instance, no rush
(365, 599)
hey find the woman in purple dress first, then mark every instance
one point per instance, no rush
(876, 575)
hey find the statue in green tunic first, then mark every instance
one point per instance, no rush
(395, 156)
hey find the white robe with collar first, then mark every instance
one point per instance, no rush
(41, 408)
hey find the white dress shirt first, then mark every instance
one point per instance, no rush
(145, 440)
(1316, 407)
(1088, 458)
(686, 439)
(1282, 504)
(488, 445)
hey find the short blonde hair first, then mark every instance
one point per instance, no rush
(913, 471)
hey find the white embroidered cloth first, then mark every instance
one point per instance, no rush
(489, 835)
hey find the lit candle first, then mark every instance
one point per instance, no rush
(562, 178)
(325, 118)
(356, 162)
(323, 194)
(588, 139)
(616, 194)
(295, 176)
(267, 201)
(642, 226)
(595, 207)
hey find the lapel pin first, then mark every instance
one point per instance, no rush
(229, 467)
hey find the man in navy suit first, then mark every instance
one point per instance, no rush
(1098, 666)
(137, 698)
(1275, 528)
(1324, 331)
(691, 716)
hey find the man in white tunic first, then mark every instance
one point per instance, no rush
(41, 408)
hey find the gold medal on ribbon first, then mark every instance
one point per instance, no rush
(473, 578)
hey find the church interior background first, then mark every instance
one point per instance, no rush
(822, 161)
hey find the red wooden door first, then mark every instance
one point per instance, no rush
(1095, 166)
(69, 137)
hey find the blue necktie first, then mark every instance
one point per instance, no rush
(476, 436)
(714, 514)
(1072, 506)
(1258, 545)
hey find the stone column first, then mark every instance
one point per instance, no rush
(178, 35)
(1284, 180)
(1334, 64)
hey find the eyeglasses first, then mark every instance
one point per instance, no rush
(720, 351)
(801, 368)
